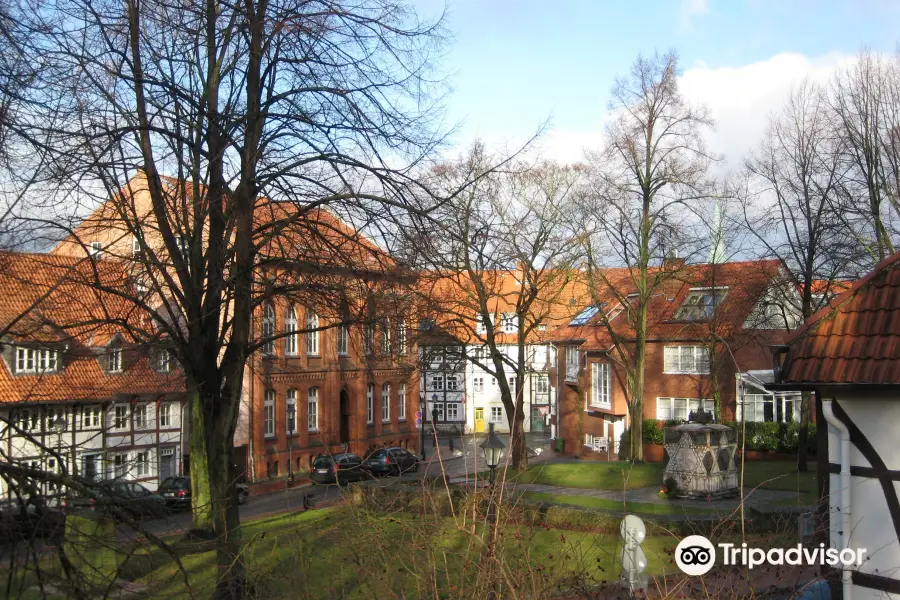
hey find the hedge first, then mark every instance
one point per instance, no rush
(761, 436)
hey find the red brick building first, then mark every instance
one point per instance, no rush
(709, 328)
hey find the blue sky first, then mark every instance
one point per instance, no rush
(515, 63)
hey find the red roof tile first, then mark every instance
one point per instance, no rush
(856, 338)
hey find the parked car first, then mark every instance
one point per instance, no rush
(176, 491)
(391, 461)
(134, 498)
(339, 468)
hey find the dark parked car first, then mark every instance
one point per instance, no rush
(340, 468)
(176, 491)
(134, 498)
(391, 461)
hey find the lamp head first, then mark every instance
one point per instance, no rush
(493, 448)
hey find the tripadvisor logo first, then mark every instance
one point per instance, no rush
(696, 555)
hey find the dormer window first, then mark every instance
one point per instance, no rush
(509, 322)
(585, 316)
(700, 304)
(135, 247)
(96, 249)
(36, 360)
(163, 361)
(114, 359)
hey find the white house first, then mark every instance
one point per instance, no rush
(848, 354)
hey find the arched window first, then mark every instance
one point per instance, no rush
(268, 329)
(370, 403)
(401, 401)
(385, 402)
(312, 335)
(312, 413)
(290, 328)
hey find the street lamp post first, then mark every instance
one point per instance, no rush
(422, 425)
(493, 449)
(434, 418)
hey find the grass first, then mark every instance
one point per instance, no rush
(605, 504)
(337, 553)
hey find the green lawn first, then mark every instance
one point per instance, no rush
(772, 475)
(338, 553)
(604, 504)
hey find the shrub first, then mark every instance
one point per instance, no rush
(773, 437)
(654, 430)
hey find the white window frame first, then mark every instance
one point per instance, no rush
(386, 337)
(114, 359)
(120, 417)
(312, 409)
(693, 310)
(452, 382)
(437, 383)
(453, 411)
(269, 414)
(290, 410)
(401, 402)
(91, 417)
(401, 338)
(509, 323)
(370, 339)
(679, 409)
(163, 360)
(343, 340)
(96, 250)
(496, 414)
(36, 360)
(601, 385)
(165, 414)
(686, 360)
(481, 328)
(135, 246)
(142, 463)
(119, 465)
(385, 402)
(478, 384)
(752, 407)
(312, 333)
(267, 330)
(140, 416)
(370, 404)
(290, 329)
(542, 384)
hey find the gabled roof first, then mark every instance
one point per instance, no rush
(746, 284)
(855, 339)
(49, 301)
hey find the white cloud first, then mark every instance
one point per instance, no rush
(741, 98)
(690, 9)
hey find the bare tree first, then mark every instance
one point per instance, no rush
(498, 260)
(792, 203)
(649, 181)
(264, 114)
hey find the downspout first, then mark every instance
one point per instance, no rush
(832, 420)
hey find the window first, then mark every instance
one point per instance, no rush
(167, 463)
(542, 327)
(700, 304)
(142, 462)
(686, 359)
(776, 408)
(96, 249)
(370, 403)
(269, 414)
(478, 384)
(343, 340)
(482, 324)
(290, 330)
(453, 411)
(573, 363)
(385, 402)
(496, 414)
(600, 388)
(31, 360)
(312, 410)
(401, 401)
(140, 416)
(268, 329)
(386, 337)
(425, 324)
(184, 246)
(452, 382)
(91, 417)
(509, 322)
(437, 383)
(291, 403)
(480, 353)
(512, 385)
(680, 408)
(120, 417)
(28, 420)
(165, 415)
(584, 317)
(312, 333)
(370, 339)
(163, 364)
(114, 360)
(439, 407)
(542, 384)
(401, 338)
(493, 382)
(540, 356)
(135, 246)
(55, 416)
(120, 465)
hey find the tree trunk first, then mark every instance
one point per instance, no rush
(202, 523)
(517, 448)
(803, 434)
(231, 583)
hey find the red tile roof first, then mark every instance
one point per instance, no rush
(856, 338)
(747, 282)
(48, 300)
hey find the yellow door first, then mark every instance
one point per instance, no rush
(479, 420)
